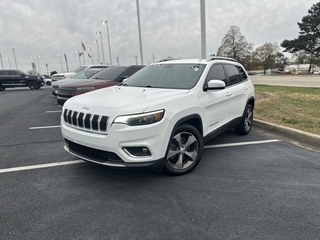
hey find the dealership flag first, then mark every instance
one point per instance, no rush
(83, 46)
(80, 54)
(89, 55)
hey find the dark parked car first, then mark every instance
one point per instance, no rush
(10, 78)
(105, 78)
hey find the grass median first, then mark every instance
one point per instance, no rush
(295, 107)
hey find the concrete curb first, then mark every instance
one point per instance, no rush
(299, 136)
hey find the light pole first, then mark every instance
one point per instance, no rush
(1, 60)
(34, 63)
(203, 28)
(47, 69)
(59, 55)
(101, 46)
(106, 22)
(39, 64)
(9, 61)
(97, 50)
(15, 60)
(139, 28)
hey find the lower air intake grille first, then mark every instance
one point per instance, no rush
(94, 154)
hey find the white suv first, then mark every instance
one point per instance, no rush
(161, 116)
(60, 76)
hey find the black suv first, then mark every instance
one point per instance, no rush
(16, 78)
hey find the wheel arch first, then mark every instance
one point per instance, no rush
(193, 120)
(251, 101)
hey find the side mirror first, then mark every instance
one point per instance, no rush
(124, 78)
(215, 85)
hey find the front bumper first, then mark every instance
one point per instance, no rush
(111, 149)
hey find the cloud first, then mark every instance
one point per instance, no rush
(169, 27)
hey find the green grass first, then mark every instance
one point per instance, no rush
(295, 107)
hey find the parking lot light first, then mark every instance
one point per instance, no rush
(9, 61)
(106, 22)
(59, 55)
(98, 32)
(96, 41)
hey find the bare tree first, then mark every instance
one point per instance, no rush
(234, 45)
(267, 54)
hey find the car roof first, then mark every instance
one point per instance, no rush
(198, 61)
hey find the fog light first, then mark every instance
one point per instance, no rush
(137, 151)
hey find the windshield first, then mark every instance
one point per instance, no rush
(86, 74)
(110, 73)
(173, 76)
(24, 72)
(80, 69)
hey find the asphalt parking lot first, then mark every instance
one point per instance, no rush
(246, 187)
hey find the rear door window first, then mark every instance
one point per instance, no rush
(233, 74)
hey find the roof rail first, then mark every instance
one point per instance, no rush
(221, 58)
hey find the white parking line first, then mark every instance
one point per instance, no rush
(47, 165)
(241, 143)
(57, 111)
(44, 127)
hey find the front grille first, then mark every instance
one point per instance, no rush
(67, 91)
(93, 154)
(93, 122)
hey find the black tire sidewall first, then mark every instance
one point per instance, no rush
(33, 85)
(240, 129)
(184, 128)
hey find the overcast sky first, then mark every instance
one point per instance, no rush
(46, 28)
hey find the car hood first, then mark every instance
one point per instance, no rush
(68, 74)
(123, 100)
(88, 83)
(58, 83)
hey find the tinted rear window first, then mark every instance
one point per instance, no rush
(110, 73)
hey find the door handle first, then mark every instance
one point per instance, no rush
(228, 94)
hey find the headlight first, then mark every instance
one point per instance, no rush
(85, 89)
(141, 119)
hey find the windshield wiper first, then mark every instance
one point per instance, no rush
(97, 78)
(123, 84)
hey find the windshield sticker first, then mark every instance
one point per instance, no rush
(195, 68)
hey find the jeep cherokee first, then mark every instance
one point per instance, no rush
(161, 116)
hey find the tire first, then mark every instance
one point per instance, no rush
(33, 85)
(2, 88)
(60, 102)
(246, 122)
(184, 150)
(48, 83)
